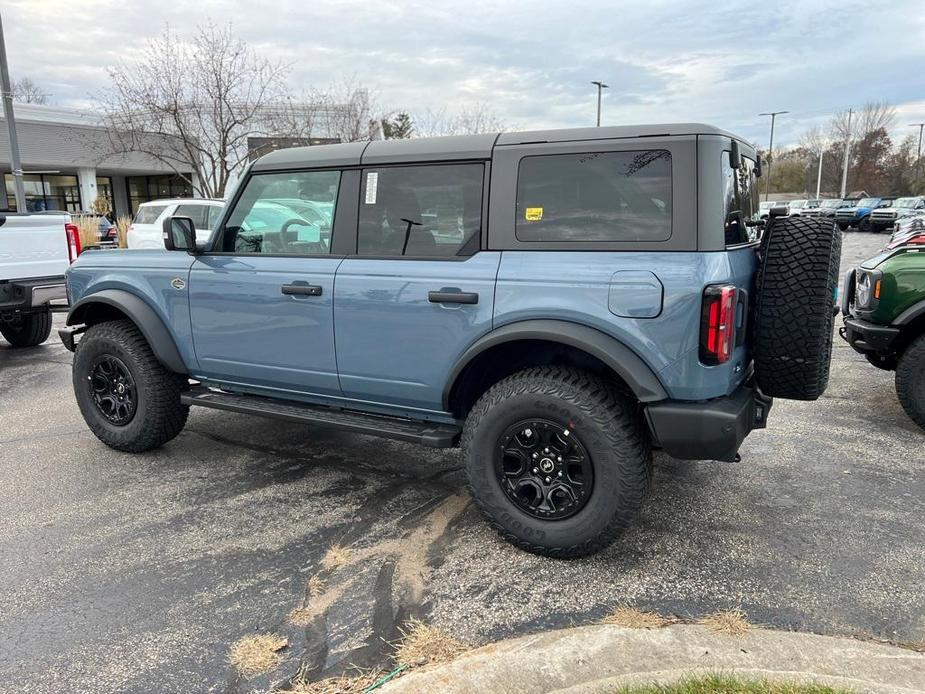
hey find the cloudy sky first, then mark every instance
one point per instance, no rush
(698, 60)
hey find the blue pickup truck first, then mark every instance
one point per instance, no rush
(556, 303)
(859, 215)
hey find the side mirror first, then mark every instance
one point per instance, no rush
(180, 234)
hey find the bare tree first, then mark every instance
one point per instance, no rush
(192, 104)
(25, 91)
(345, 112)
(471, 119)
(872, 116)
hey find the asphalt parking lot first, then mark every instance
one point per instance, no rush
(135, 573)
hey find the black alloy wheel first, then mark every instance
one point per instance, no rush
(544, 469)
(113, 390)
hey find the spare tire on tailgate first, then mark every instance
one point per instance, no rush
(794, 312)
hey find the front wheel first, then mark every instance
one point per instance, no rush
(126, 396)
(842, 226)
(865, 225)
(558, 460)
(910, 381)
(29, 330)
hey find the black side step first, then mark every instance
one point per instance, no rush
(431, 434)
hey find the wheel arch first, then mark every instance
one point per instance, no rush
(478, 367)
(118, 304)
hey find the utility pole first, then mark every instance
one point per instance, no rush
(844, 171)
(819, 175)
(7, 90)
(774, 115)
(918, 155)
(600, 86)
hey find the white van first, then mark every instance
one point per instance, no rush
(147, 230)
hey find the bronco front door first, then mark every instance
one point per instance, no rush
(261, 301)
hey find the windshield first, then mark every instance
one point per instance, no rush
(813, 203)
(797, 203)
(830, 203)
(868, 202)
(905, 202)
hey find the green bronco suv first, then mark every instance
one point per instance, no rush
(884, 307)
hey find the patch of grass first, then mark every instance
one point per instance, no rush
(732, 622)
(257, 653)
(728, 684)
(89, 231)
(301, 617)
(335, 557)
(634, 618)
(336, 685)
(422, 644)
(315, 586)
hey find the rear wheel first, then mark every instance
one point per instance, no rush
(910, 381)
(794, 316)
(558, 460)
(126, 396)
(28, 330)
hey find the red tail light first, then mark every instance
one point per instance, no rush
(918, 239)
(717, 324)
(73, 242)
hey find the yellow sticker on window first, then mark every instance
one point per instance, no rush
(533, 214)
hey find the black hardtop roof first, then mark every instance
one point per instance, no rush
(460, 147)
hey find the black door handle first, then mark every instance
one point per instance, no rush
(453, 297)
(301, 289)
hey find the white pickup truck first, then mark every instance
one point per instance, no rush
(35, 251)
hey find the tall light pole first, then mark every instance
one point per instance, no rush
(600, 86)
(918, 156)
(7, 90)
(774, 115)
(844, 171)
(819, 175)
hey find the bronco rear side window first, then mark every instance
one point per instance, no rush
(740, 193)
(595, 196)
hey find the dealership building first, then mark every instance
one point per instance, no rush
(67, 162)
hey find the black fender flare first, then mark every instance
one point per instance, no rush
(917, 310)
(142, 315)
(613, 353)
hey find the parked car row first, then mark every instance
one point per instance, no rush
(873, 214)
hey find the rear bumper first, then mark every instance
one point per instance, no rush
(710, 430)
(867, 337)
(30, 294)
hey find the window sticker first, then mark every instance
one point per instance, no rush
(372, 185)
(533, 214)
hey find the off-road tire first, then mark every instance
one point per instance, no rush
(794, 312)
(612, 430)
(865, 226)
(910, 381)
(159, 415)
(29, 330)
(843, 227)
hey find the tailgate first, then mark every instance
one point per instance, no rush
(32, 246)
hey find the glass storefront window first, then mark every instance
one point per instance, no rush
(104, 190)
(146, 188)
(45, 192)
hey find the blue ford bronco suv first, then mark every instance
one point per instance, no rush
(556, 303)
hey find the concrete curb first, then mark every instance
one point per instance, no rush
(597, 659)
